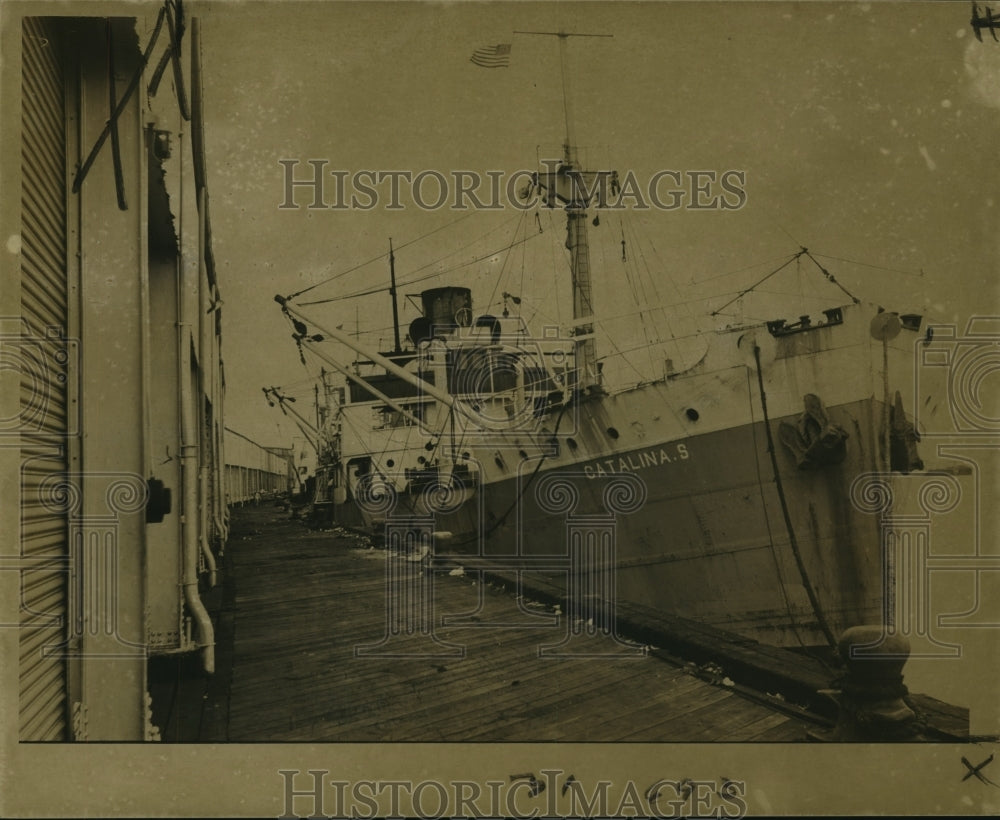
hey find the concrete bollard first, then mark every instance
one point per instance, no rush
(870, 696)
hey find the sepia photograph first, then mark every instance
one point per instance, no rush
(499, 409)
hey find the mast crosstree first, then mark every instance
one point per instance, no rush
(576, 190)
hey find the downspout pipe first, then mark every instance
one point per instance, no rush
(206, 549)
(205, 359)
(189, 462)
(219, 510)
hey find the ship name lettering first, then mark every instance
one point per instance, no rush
(638, 461)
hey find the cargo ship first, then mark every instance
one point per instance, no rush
(728, 478)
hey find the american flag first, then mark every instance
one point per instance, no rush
(497, 56)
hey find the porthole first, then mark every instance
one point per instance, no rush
(613, 432)
(692, 414)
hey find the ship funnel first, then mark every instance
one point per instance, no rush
(447, 308)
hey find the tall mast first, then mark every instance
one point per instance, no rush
(576, 238)
(392, 292)
(570, 147)
(576, 189)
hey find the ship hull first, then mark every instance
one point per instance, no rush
(710, 541)
(746, 531)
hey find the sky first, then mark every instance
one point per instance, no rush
(865, 132)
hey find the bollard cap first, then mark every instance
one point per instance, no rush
(872, 653)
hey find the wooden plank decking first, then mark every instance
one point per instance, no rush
(305, 600)
(296, 605)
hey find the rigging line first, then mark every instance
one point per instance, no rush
(649, 275)
(622, 352)
(484, 256)
(611, 341)
(440, 435)
(371, 292)
(301, 382)
(800, 298)
(744, 269)
(308, 436)
(553, 263)
(745, 291)
(637, 243)
(389, 442)
(479, 238)
(627, 259)
(919, 274)
(674, 304)
(650, 344)
(457, 450)
(786, 233)
(380, 256)
(503, 266)
(642, 314)
(537, 309)
(517, 499)
(346, 419)
(772, 219)
(652, 281)
(779, 486)
(831, 278)
(524, 256)
(419, 278)
(337, 276)
(767, 518)
(410, 427)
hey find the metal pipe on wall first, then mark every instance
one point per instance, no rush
(204, 385)
(189, 462)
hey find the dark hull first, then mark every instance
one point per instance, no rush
(711, 539)
(710, 542)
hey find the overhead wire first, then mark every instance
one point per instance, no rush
(384, 255)
(414, 281)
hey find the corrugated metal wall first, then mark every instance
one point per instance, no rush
(251, 468)
(43, 387)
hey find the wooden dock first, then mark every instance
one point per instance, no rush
(302, 655)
